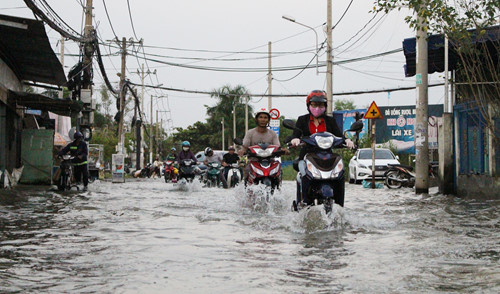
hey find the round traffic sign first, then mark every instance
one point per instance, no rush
(275, 114)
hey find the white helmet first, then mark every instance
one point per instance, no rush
(262, 110)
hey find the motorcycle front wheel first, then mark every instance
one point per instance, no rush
(393, 180)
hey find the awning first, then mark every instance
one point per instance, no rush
(436, 51)
(65, 107)
(25, 48)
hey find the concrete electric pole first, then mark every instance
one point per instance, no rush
(329, 64)
(269, 79)
(122, 96)
(422, 116)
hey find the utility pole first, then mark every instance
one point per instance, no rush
(422, 116)
(445, 140)
(122, 96)
(151, 133)
(234, 120)
(329, 64)
(222, 123)
(61, 93)
(86, 119)
(269, 79)
(246, 114)
(141, 149)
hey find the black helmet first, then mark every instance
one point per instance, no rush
(207, 151)
(77, 135)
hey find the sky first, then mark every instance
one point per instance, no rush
(235, 35)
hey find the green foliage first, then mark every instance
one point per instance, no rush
(107, 137)
(288, 173)
(344, 104)
(200, 135)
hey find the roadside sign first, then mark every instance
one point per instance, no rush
(275, 114)
(275, 129)
(118, 168)
(373, 112)
(274, 123)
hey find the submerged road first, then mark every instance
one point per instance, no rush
(150, 237)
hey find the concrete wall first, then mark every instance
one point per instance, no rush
(10, 121)
(478, 187)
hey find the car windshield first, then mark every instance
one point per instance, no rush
(379, 154)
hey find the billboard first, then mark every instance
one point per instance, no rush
(396, 129)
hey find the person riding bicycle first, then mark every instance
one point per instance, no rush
(210, 156)
(315, 121)
(78, 148)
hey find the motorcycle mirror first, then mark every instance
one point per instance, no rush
(238, 141)
(356, 127)
(289, 124)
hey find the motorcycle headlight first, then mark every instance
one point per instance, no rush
(274, 170)
(264, 152)
(258, 171)
(324, 142)
(338, 168)
(313, 170)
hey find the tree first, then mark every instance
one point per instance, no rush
(105, 101)
(344, 104)
(227, 98)
(467, 23)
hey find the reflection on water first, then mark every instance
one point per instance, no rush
(147, 236)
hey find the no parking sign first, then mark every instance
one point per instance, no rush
(274, 124)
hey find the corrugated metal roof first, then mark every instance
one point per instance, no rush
(65, 107)
(25, 48)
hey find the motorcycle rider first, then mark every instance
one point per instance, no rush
(156, 167)
(78, 148)
(173, 157)
(229, 158)
(210, 156)
(314, 121)
(259, 135)
(186, 153)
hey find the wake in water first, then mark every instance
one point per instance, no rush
(259, 199)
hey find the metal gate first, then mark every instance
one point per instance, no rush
(473, 139)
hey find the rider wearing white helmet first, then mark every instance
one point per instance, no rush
(260, 134)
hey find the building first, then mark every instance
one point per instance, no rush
(27, 59)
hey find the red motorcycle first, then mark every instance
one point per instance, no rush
(169, 171)
(264, 166)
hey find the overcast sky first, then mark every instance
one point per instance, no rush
(236, 34)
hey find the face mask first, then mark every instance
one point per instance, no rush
(317, 111)
(185, 148)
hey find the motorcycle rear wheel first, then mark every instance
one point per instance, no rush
(390, 182)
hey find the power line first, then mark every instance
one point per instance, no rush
(53, 20)
(109, 19)
(131, 21)
(289, 95)
(343, 14)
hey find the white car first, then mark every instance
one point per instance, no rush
(360, 166)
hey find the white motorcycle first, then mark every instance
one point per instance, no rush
(233, 175)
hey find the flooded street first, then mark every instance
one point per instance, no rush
(151, 237)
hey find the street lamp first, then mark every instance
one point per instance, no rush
(291, 19)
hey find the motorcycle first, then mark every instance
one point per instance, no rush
(213, 174)
(320, 177)
(65, 181)
(265, 168)
(233, 175)
(400, 175)
(169, 171)
(187, 170)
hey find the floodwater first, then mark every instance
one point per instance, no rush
(150, 237)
